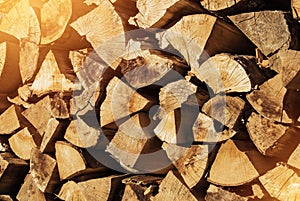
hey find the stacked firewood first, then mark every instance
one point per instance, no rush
(149, 100)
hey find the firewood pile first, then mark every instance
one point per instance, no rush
(149, 100)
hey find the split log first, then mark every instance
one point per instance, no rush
(33, 114)
(69, 160)
(82, 135)
(28, 62)
(268, 30)
(272, 139)
(223, 74)
(281, 183)
(206, 129)
(55, 16)
(190, 162)
(231, 167)
(231, 7)
(7, 5)
(50, 79)
(140, 187)
(166, 130)
(143, 68)
(10, 120)
(29, 191)
(103, 28)
(159, 14)
(296, 9)
(12, 171)
(94, 189)
(286, 63)
(179, 36)
(208, 30)
(21, 143)
(133, 139)
(22, 22)
(225, 109)
(174, 94)
(171, 188)
(121, 101)
(268, 101)
(217, 193)
(294, 158)
(43, 170)
(54, 130)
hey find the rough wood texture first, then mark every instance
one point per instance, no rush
(157, 14)
(270, 139)
(69, 160)
(174, 94)
(268, 30)
(22, 22)
(94, 189)
(128, 102)
(140, 187)
(55, 16)
(50, 79)
(294, 158)
(29, 191)
(43, 171)
(173, 189)
(190, 162)
(21, 143)
(103, 28)
(205, 129)
(132, 139)
(286, 63)
(32, 114)
(231, 167)
(281, 183)
(82, 135)
(29, 54)
(268, 100)
(153, 68)
(9, 120)
(217, 193)
(223, 74)
(179, 36)
(225, 109)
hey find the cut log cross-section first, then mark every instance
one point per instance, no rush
(272, 139)
(232, 167)
(171, 188)
(158, 14)
(282, 183)
(121, 101)
(205, 130)
(103, 28)
(50, 79)
(9, 120)
(190, 162)
(43, 171)
(69, 160)
(223, 74)
(132, 140)
(268, 100)
(21, 143)
(94, 189)
(268, 30)
(29, 191)
(225, 109)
